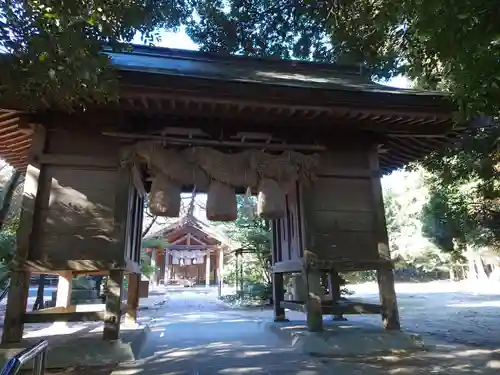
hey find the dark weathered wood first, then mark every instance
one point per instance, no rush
(335, 263)
(122, 214)
(137, 180)
(133, 297)
(113, 306)
(334, 289)
(204, 142)
(16, 307)
(85, 161)
(344, 307)
(277, 278)
(287, 266)
(278, 297)
(82, 266)
(314, 314)
(27, 239)
(7, 197)
(385, 277)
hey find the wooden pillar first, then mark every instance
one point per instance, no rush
(166, 277)
(278, 297)
(63, 294)
(113, 305)
(134, 280)
(220, 277)
(154, 265)
(121, 217)
(207, 269)
(36, 189)
(237, 272)
(312, 278)
(16, 307)
(335, 295)
(385, 275)
(277, 278)
(160, 256)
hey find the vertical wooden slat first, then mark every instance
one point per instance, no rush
(121, 214)
(385, 276)
(27, 238)
(115, 280)
(278, 287)
(207, 269)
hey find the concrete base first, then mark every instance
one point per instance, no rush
(85, 347)
(345, 339)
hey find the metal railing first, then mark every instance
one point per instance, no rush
(37, 352)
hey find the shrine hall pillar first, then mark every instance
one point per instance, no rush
(166, 277)
(220, 279)
(207, 269)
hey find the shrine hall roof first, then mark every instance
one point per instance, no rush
(174, 62)
(260, 95)
(190, 221)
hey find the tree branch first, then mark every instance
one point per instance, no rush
(146, 231)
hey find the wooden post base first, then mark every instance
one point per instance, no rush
(313, 303)
(132, 298)
(113, 306)
(387, 291)
(278, 296)
(13, 327)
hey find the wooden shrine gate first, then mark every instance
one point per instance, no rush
(82, 205)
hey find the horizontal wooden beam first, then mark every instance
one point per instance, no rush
(336, 264)
(189, 247)
(288, 266)
(78, 161)
(205, 142)
(79, 266)
(344, 307)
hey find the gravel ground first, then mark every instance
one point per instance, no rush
(193, 333)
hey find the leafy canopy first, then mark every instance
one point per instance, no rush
(53, 47)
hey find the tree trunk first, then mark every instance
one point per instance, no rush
(7, 198)
(471, 272)
(452, 272)
(481, 273)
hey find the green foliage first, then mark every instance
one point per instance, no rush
(54, 48)
(448, 45)
(464, 208)
(254, 236)
(406, 195)
(151, 243)
(281, 29)
(147, 269)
